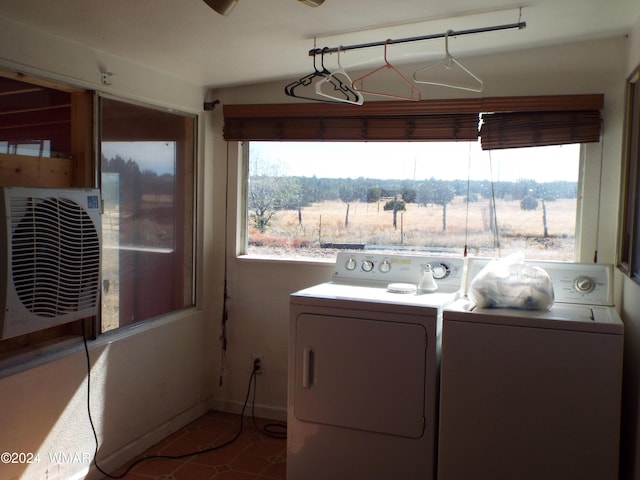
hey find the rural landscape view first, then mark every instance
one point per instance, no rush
(311, 199)
(302, 216)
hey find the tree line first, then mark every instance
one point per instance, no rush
(268, 194)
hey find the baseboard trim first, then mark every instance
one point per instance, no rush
(118, 458)
(269, 412)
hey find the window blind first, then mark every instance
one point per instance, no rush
(530, 129)
(384, 121)
(403, 128)
(529, 120)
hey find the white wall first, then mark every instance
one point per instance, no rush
(259, 289)
(144, 384)
(630, 312)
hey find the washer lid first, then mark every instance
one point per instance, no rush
(584, 318)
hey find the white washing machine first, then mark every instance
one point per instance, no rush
(533, 395)
(363, 369)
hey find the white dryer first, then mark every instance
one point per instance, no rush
(533, 395)
(363, 369)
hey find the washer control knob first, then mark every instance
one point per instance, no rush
(367, 265)
(385, 266)
(351, 264)
(584, 284)
(440, 271)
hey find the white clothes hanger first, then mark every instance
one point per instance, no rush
(340, 89)
(358, 83)
(449, 63)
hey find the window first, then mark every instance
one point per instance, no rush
(36, 120)
(630, 225)
(434, 174)
(147, 181)
(311, 198)
(44, 129)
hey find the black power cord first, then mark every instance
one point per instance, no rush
(266, 430)
(273, 430)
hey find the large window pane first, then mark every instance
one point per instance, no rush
(147, 186)
(311, 198)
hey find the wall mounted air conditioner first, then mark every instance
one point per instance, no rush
(50, 247)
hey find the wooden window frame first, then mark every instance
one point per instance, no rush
(629, 238)
(75, 170)
(123, 120)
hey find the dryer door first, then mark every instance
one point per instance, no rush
(360, 373)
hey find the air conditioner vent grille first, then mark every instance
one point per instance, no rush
(55, 259)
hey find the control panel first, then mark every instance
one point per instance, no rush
(579, 283)
(582, 283)
(377, 269)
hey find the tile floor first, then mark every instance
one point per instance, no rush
(253, 456)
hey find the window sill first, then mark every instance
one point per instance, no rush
(38, 355)
(285, 259)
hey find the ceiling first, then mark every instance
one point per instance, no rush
(264, 40)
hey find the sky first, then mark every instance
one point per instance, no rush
(159, 157)
(392, 160)
(416, 160)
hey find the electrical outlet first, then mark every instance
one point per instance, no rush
(257, 363)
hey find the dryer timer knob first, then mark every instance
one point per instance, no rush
(440, 271)
(584, 284)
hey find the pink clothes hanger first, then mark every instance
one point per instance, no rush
(358, 83)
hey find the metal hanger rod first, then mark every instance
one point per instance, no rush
(319, 51)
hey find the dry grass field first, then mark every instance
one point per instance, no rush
(421, 227)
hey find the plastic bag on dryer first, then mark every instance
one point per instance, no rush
(510, 283)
